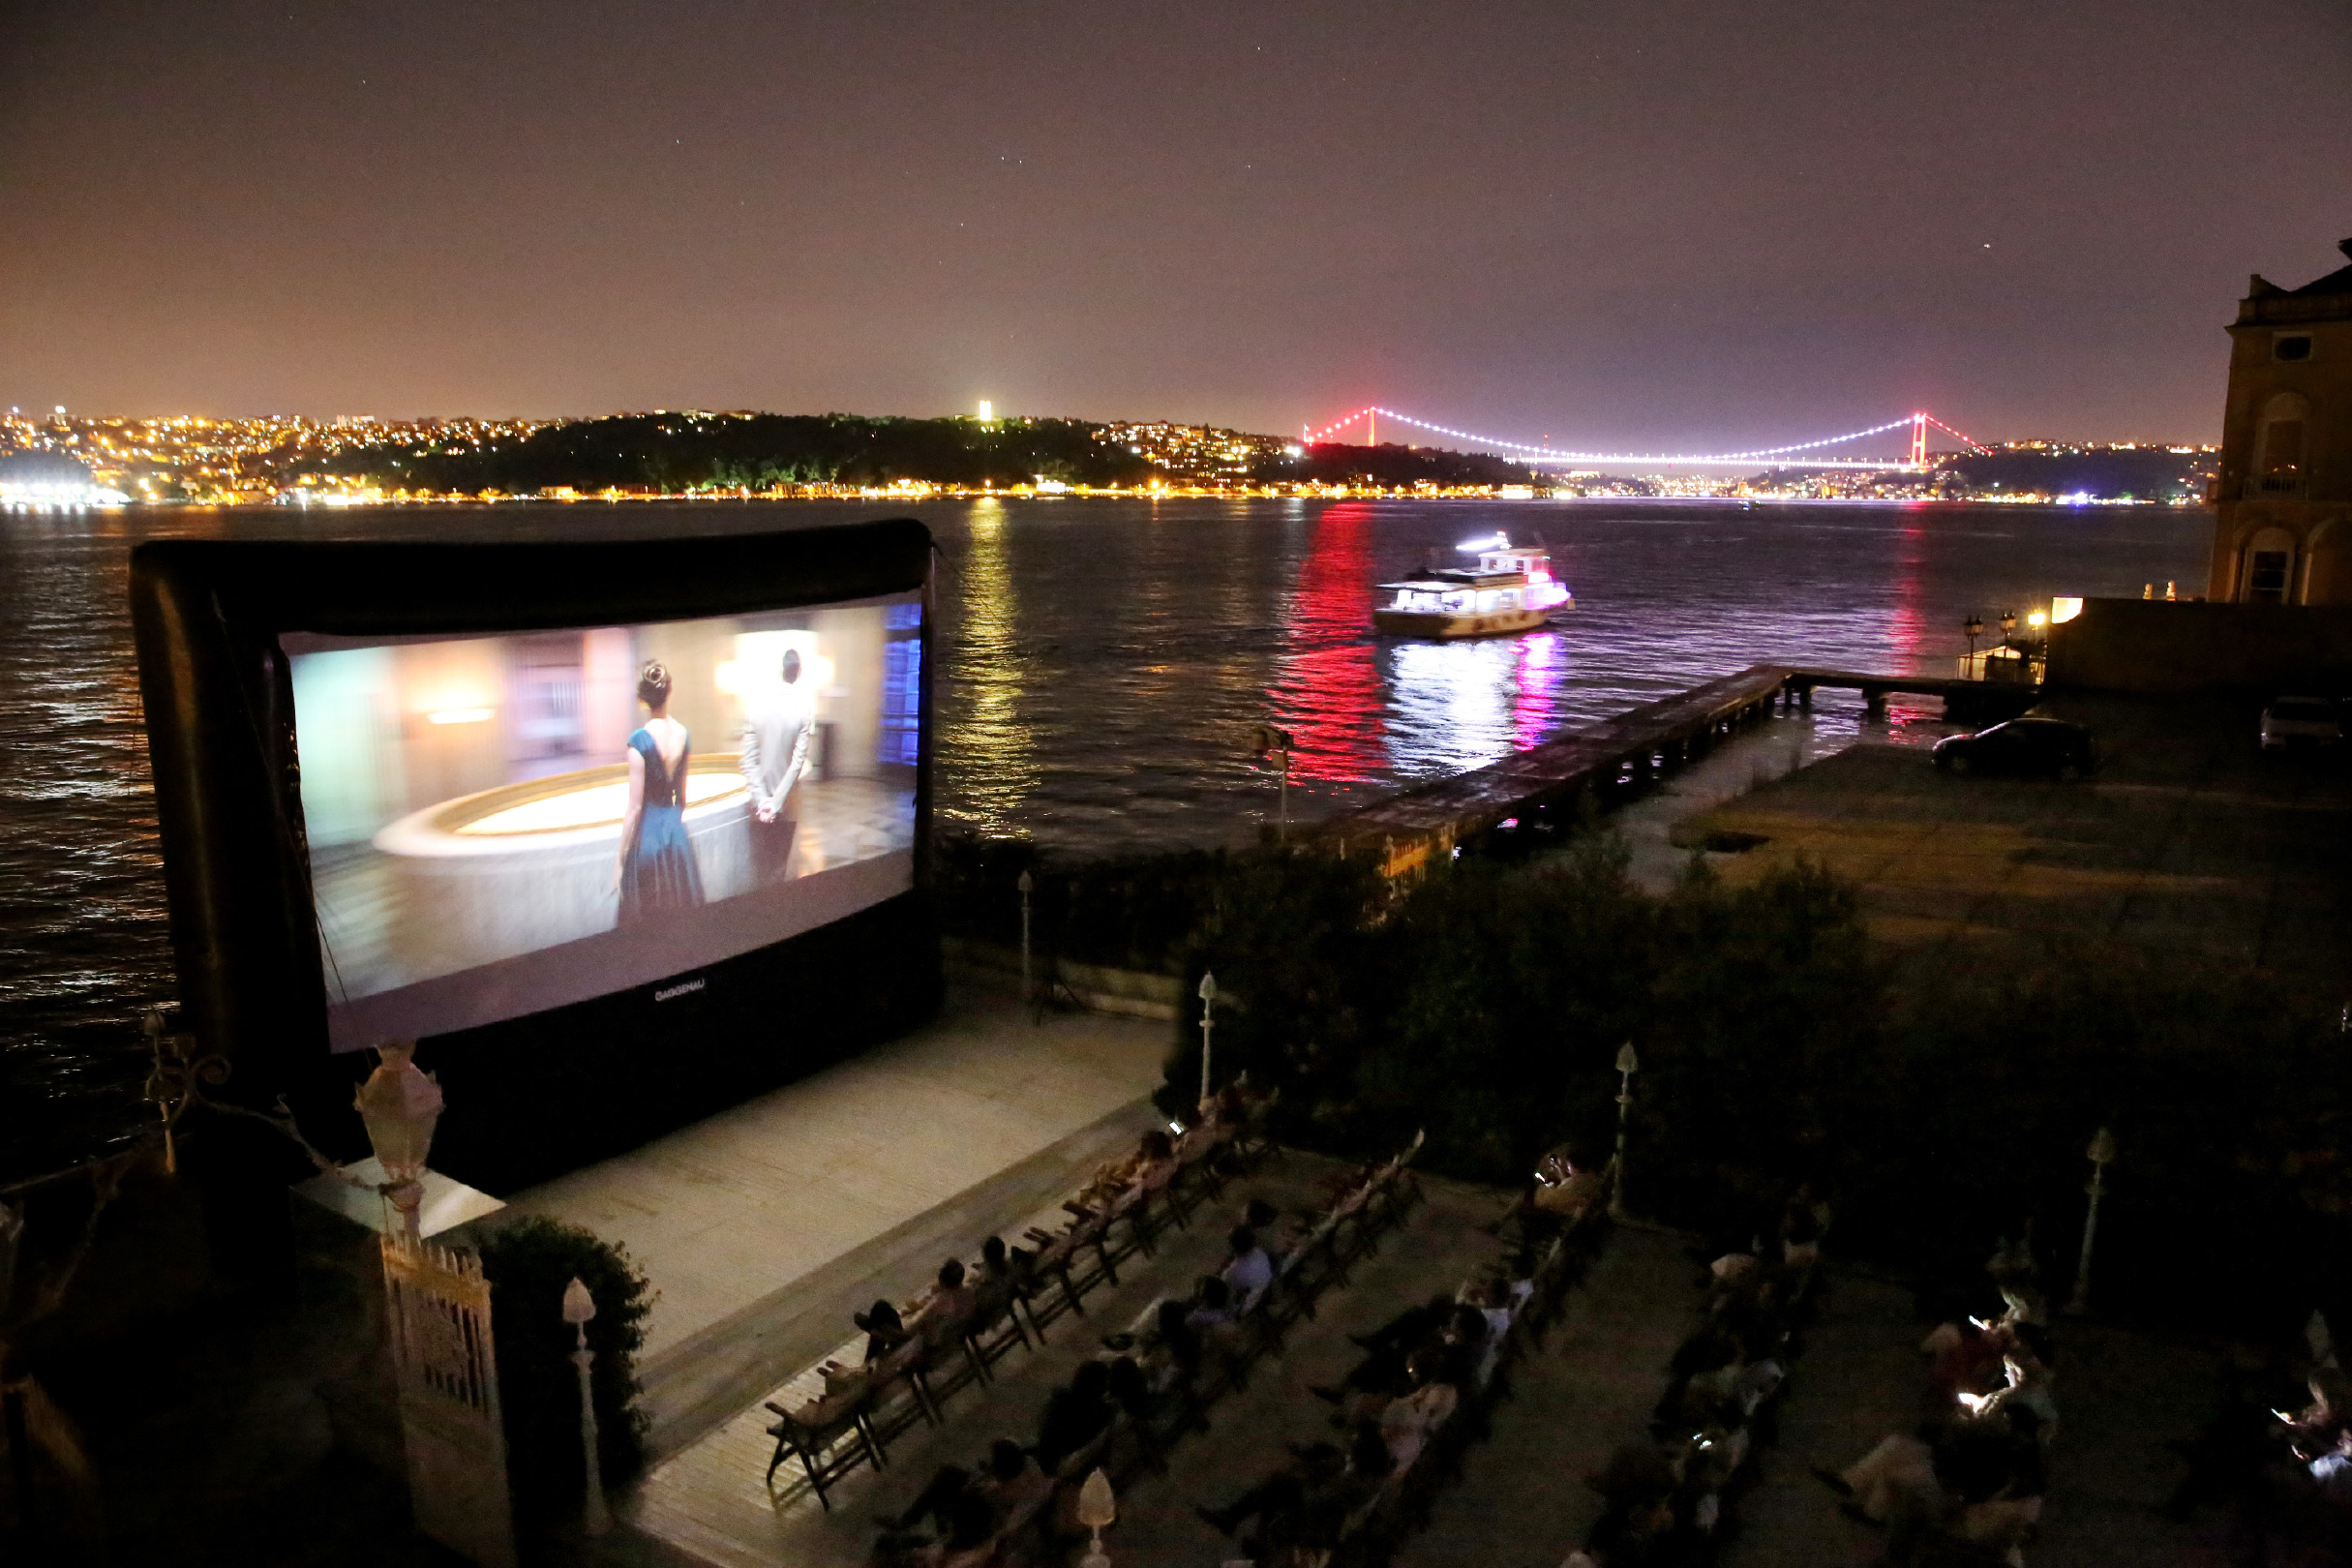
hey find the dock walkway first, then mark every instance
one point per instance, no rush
(1409, 828)
(1545, 785)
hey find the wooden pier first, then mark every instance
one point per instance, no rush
(1970, 701)
(1547, 784)
(1407, 829)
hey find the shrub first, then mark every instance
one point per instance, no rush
(529, 1262)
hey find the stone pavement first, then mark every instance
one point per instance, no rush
(1650, 824)
(761, 1224)
(2188, 843)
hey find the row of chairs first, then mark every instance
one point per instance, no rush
(1674, 1501)
(1371, 1534)
(1362, 1205)
(854, 1421)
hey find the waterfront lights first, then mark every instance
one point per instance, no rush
(1972, 628)
(2009, 625)
(400, 1107)
(579, 1308)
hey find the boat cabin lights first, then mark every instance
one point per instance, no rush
(1500, 541)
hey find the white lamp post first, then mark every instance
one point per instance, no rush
(1027, 885)
(2100, 1152)
(1208, 1005)
(578, 1307)
(1628, 1064)
(399, 1105)
(1098, 1506)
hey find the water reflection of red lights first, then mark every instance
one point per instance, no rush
(1542, 664)
(1327, 686)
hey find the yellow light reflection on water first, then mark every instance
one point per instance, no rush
(995, 753)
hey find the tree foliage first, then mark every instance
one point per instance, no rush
(529, 1262)
(1942, 1104)
(686, 451)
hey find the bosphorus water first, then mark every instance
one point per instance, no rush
(1101, 668)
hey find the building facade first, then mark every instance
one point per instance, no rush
(2283, 532)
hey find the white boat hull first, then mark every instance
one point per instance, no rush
(1445, 625)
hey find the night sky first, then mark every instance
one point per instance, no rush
(1648, 222)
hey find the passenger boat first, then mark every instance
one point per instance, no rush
(1511, 590)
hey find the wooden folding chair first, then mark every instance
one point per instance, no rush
(829, 1438)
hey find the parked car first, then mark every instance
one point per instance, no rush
(2022, 745)
(2300, 721)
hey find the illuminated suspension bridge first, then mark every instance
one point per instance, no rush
(1916, 458)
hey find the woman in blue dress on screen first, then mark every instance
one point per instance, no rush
(657, 870)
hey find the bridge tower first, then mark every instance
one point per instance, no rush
(1919, 440)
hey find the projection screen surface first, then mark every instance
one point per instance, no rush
(500, 825)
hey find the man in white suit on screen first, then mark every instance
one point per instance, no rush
(778, 726)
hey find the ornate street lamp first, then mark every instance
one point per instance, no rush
(578, 1307)
(2008, 626)
(1208, 1008)
(399, 1105)
(2100, 1154)
(1974, 628)
(1098, 1506)
(1628, 1064)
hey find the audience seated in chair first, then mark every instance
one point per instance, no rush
(1248, 1269)
(1074, 1416)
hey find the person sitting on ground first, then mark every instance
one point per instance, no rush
(1248, 1271)
(1074, 1416)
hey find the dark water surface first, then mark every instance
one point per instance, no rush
(1101, 668)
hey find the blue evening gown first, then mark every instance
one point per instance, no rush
(658, 873)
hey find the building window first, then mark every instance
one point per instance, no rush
(2291, 347)
(2282, 454)
(2279, 444)
(2267, 583)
